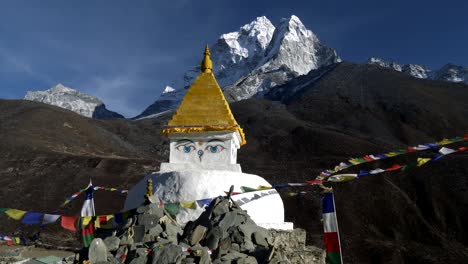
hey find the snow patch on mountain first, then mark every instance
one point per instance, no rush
(449, 72)
(452, 73)
(73, 100)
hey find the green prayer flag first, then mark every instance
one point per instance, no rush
(172, 208)
(247, 189)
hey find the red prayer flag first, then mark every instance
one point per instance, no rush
(312, 182)
(69, 222)
(394, 167)
(461, 149)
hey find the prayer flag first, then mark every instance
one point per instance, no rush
(188, 204)
(422, 161)
(15, 213)
(247, 189)
(86, 220)
(376, 171)
(69, 222)
(330, 228)
(446, 151)
(87, 231)
(49, 218)
(88, 206)
(421, 147)
(444, 141)
(374, 157)
(461, 149)
(313, 182)
(172, 208)
(119, 218)
(31, 218)
(342, 177)
(394, 167)
(363, 173)
(204, 202)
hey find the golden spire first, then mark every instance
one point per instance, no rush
(206, 64)
(204, 107)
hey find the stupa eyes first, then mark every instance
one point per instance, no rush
(185, 146)
(215, 148)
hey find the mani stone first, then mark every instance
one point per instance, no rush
(97, 251)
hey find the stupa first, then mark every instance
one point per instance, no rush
(204, 138)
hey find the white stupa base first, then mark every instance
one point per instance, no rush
(264, 207)
(167, 167)
(277, 226)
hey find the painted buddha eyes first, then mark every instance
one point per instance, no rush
(186, 148)
(189, 146)
(215, 148)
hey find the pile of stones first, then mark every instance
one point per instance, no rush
(224, 233)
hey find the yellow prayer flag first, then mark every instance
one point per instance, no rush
(113, 189)
(15, 214)
(391, 154)
(444, 142)
(262, 187)
(422, 161)
(354, 161)
(17, 240)
(342, 177)
(87, 220)
(189, 204)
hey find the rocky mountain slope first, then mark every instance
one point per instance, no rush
(254, 59)
(73, 100)
(449, 72)
(318, 120)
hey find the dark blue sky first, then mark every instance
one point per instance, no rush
(125, 52)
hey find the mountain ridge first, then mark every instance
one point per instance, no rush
(73, 100)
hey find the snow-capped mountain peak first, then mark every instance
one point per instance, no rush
(257, 57)
(71, 99)
(452, 73)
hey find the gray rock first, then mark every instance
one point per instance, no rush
(173, 231)
(153, 233)
(197, 235)
(147, 220)
(231, 219)
(213, 237)
(138, 233)
(221, 208)
(247, 246)
(97, 251)
(205, 257)
(260, 239)
(112, 243)
(189, 260)
(230, 257)
(125, 240)
(247, 260)
(235, 247)
(141, 252)
(139, 260)
(225, 244)
(168, 254)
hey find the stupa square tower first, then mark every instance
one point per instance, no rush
(203, 133)
(204, 138)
